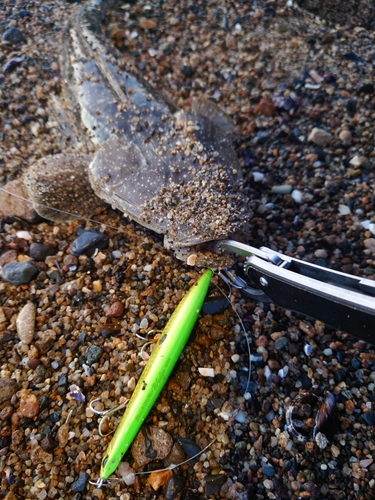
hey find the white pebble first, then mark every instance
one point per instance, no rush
(365, 224)
(206, 372)
(24, 235)
(144, 323)
(258, 176)
(240, 417)
(296, 195)
(54, 365)
(344, 210)
(127, 473)
(117, 254)
(148, 268)
(372, 228)
(321, 440)
(283, 372)
(235, 358)
(327, 352)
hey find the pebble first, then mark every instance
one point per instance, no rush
(213, 483)
(321, 440)
(116, 310)
(18, 273)
(360, 161)
(151, 443)
(8, 387)
(346, 137)
(93, 354)
(39, 456)
(147, 24)
(26, 323)
(80, 484)
(13, 36)
(215, 305)
(189, 446)
(176, 455)
(174, 487)
(29, 405)
(88, 241)
(39, 251)
(284, 189)
(319, 137)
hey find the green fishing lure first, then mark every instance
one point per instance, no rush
(155, 374)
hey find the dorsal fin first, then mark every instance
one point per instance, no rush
(208, 109)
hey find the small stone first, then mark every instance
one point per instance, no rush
(351, 105)
(215, 305)
(176, 455)
(187, 71)
(147, 24)
(266, 108)
(13, 36)
(369, 418)
(80, 484)
(17, 207)
(346, 137)
(344, 209)
(213, 483)
(8, 387)
(18, 273)
(39, 251)
(367, 88)
(93, 354)
(88, 241)
(45, 341)
(351, 56)
(320, 137)
(360, 161)
(174, 487)
(47, 443)
(151, 443)
(189, 446)
(116, 310)
(281, 343)
(370, 244)
(321, 440)
(39, 456)
(283, 189)
(29, 406)
(321, 253)
(268, 471)
(26, 323)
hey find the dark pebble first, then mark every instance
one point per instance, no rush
(8, 387)
(187, 71)
(367, 88)
(81, 482)
(93, 354)
(174, 486)
(340, 375)
(213, 483)
(24, 13)
(189, 446)
(110, 331)
(39, 251)
(369, 418)
(19, 273)
(215, 305)
(13, 35)
(351, 56)
(47, 443)
(55, 417)
(356, 363)
(305, 382)
(12, 64)
(62, 380)
(88, 241)
(281, 343)
(351, 105)
(268, 471)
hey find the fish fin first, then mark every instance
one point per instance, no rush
(211, 111)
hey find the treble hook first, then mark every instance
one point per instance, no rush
(99, 482)
(104, 415)
(147, 340)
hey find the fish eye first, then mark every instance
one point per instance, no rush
(105, 461)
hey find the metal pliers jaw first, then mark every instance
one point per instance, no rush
(338, 299)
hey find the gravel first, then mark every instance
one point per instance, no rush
(280, 73)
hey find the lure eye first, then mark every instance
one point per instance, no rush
(105, 461)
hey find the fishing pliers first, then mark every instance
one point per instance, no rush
(338, 299)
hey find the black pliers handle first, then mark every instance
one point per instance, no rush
(338, 299)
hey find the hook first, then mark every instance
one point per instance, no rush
(105, 414)
(99, 482)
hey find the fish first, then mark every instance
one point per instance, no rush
(173, 171)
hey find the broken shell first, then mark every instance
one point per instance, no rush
(324, 421)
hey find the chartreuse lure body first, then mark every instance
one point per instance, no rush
(156, 372)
